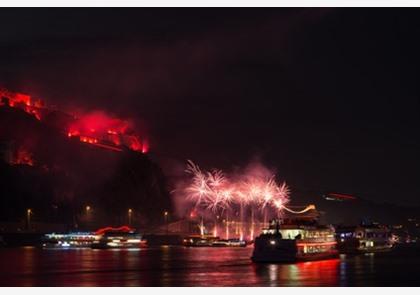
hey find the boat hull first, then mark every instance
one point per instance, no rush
(277, 250)
(128, 246)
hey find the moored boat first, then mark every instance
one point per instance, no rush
(199, 241)
(364, 239)
(229, 243)
(211, 241)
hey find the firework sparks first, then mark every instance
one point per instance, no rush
(213, 190)
(199, 190)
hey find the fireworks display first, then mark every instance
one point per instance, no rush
(213, 190)
(251, 196)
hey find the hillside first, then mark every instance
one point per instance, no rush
(58, 176)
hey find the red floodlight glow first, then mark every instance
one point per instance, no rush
(97, 128)
(123, 228)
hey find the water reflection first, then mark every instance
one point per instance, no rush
(314, 273)
(179, 266)
(343, 270)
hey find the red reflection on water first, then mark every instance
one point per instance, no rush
(314, 273)
(219, 267)
(319, 273)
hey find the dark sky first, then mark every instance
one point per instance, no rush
(328, 97)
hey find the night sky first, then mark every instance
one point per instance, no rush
(329, 98)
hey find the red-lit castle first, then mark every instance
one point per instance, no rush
(94, 128)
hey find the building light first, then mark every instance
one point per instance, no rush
(272, 242)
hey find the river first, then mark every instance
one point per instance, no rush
(179, 266)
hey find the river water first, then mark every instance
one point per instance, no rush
(179, 266)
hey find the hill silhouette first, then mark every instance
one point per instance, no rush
(57, 176)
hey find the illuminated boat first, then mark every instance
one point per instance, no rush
(70, 240)
(211, 241)
(118, 238)
(229, 243)
(300, 239)
(199, 241)
(364, 239)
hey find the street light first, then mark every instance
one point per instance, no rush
(130, 211)
(88, 215)
(166, 221)
(28, 217)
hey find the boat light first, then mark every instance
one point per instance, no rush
(133, 241)
(316, 244)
